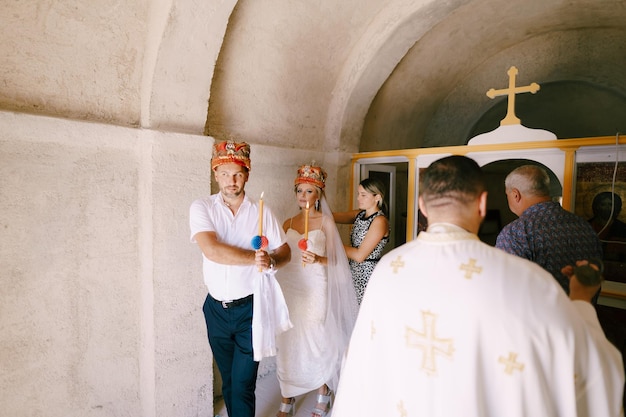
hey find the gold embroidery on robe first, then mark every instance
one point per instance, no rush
(471, 268)
(397, 263)
(429, 343)
(511, 364)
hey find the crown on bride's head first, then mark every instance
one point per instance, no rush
(311, 174)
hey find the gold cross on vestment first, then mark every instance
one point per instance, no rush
(397, 263)
(429, 343)
(511, 364)
(471, 268)
(401, 409)
(510, 118)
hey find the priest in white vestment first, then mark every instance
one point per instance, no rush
(452, 327)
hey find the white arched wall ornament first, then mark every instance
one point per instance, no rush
(511, 129)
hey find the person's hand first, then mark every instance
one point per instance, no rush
(309, 257)
(263, 260)
(585, 279)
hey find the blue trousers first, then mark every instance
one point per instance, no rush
(230, 337)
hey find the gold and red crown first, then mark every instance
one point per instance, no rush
(230, 151)
(310, 174)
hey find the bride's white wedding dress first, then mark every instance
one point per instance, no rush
(304, 361)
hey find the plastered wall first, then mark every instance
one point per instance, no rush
(100, 308)
(100, 303)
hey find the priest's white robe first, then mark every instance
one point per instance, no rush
(450, 326)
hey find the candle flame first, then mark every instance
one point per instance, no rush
(262, 192)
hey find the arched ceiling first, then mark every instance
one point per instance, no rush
(416, 74)
(354, 75)
(575, 50)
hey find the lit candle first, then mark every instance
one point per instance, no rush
(261, 214)
(303, 242)
(306, 221)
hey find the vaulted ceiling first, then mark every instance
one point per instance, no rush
(350, 75)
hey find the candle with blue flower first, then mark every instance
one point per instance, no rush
(259, 241)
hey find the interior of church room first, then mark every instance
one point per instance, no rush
(109, 111)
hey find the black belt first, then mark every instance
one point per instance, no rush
(233, 303)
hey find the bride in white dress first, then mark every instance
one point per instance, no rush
(322, 303)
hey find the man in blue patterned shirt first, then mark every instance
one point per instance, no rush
(545, 232)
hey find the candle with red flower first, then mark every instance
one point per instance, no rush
(302, 244)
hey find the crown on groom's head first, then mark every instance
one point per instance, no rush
(230, 151)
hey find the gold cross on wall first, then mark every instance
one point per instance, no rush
(510, 363)
(471, 268)
(429, 343)
(510, 118)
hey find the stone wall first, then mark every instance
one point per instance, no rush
(102, 289)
